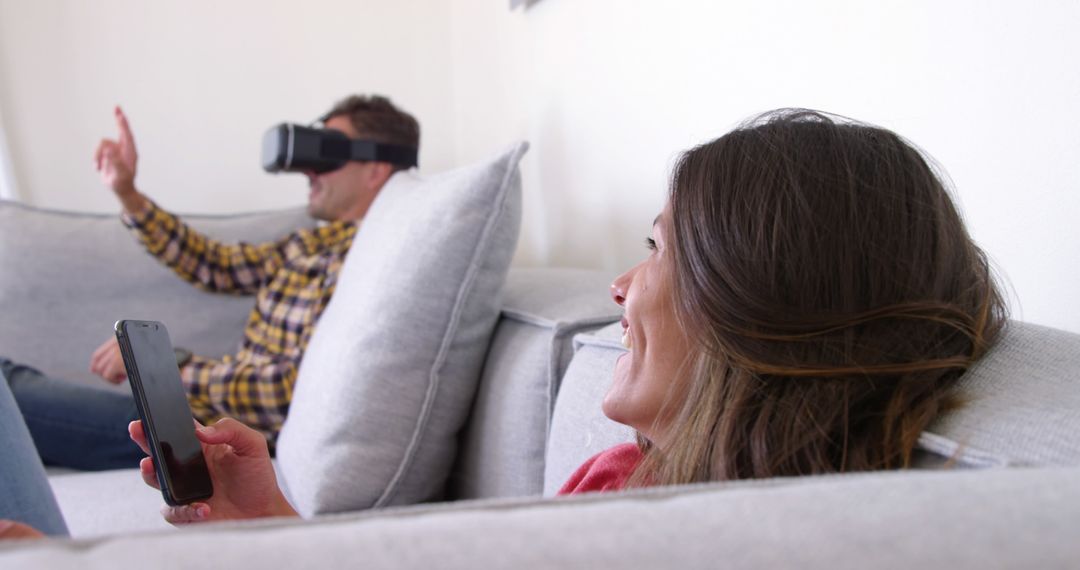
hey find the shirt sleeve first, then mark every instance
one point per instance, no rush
(257, 394)
(207, 263)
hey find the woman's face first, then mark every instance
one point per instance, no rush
(646, 390)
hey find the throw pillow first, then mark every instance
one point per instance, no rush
(390, 372)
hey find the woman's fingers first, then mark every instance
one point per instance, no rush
(138, 435)
(244, 440)
(146, 470)
(186, 514)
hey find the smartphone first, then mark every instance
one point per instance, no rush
(163, 407)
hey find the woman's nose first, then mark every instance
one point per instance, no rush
(620, 286)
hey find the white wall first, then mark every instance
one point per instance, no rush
(9, 189)
(201, 80)
(608, 92)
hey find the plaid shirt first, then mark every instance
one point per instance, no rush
(292, 280)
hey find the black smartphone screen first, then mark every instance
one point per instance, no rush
(155, 381)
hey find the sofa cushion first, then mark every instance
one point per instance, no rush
(579, 428)
(391, 370)
(102, 503)
(65, 278)
(502, 447)
(1021, 405)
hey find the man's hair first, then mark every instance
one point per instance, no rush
(375, 117)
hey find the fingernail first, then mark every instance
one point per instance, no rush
(208, 430)
(200, 512)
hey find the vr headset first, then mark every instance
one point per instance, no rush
(295, 148)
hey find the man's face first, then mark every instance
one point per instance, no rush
(344, 194)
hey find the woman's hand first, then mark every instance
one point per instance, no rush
(11, 530)
(245, 486)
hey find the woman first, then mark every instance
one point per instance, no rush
(808, 302)
(810, 298)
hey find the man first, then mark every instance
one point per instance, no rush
(292, 279)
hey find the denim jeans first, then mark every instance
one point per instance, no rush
(25, 495)
(72, 425)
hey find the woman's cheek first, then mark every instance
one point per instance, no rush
(615, 399)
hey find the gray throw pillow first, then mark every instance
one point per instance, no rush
(390, 373)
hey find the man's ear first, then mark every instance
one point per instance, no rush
(380, 173)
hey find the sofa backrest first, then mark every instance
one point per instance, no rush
(1020, 402)
(579, 428)
(1021, 405)
(502, 447)
(65, 278)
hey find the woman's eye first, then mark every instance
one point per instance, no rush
(650, 243)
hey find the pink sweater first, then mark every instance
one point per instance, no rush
(605, 471)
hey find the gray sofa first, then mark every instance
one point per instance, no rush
(1010, 499)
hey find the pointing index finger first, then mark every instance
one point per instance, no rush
(122, 124)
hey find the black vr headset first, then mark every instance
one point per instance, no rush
(295, 148)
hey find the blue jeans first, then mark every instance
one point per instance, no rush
(72, 425)
(25, 494)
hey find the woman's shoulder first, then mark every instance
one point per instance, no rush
(605, 471)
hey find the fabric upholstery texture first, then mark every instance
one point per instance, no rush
(993, 518)
(1021, 402)
(65, 278)
(1021, 406)
(392, 367)
(1020, 410)
(542, 311)
(579, 428)
(108, 503)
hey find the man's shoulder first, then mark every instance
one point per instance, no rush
(326, 236)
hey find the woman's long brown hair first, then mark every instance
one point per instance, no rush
(834, 295)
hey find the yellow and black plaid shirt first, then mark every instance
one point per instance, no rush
(292, 280)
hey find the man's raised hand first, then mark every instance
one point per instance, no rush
(116, 161)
